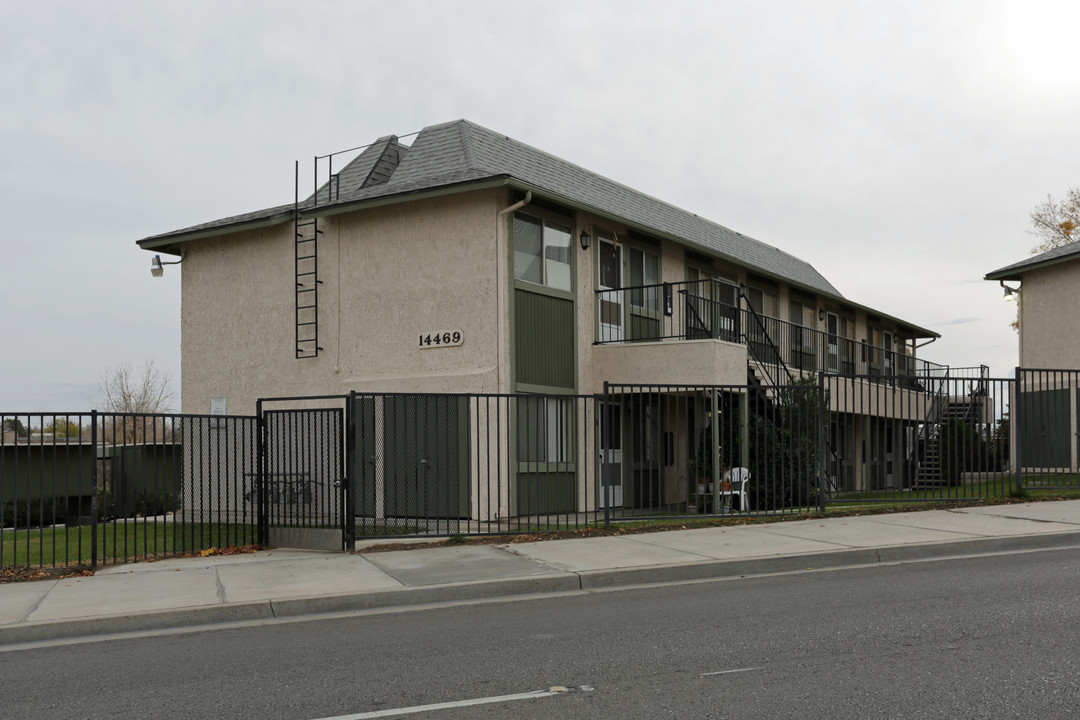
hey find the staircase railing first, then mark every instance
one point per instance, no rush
(764, 339)
(929, 432)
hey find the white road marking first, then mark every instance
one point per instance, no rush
(557, 690)
(728, 672)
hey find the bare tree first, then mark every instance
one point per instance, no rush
(134, 398)
(1056, 223)
(122, 390)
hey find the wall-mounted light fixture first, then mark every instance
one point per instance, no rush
(157, 268)
(821, 315)
(586, 240)
(1010, 293)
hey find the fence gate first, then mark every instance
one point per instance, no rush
(301, 479)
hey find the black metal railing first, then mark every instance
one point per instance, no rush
(692, 310)
(712, 309)
(86, 489)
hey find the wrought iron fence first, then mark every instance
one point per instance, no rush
(96, 488)
(99, 488)
(1045, 428)
(468, 464)
(719, 450)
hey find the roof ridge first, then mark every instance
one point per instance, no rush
(466, 143)
(624, 186)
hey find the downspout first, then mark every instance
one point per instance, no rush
(916, 347)
(499, 283)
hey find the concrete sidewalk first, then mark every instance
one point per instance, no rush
(289, 583)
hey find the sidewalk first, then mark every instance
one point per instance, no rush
(290, 583)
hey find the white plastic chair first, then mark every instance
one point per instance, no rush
(735, 481)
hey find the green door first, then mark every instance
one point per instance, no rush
(365, 458)
(425, 446)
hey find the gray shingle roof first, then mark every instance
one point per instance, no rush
(461, 152)
(1050, 257)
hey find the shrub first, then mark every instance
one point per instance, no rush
(962, 450)
(149, 503)
(36, 512)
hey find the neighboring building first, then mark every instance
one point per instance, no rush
(1049, 318)
(469, 262)
(1049, 300)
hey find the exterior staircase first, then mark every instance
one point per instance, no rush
(928, 470)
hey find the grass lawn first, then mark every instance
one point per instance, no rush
(1003, 487)
(117, 541)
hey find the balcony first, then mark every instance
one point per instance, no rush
(711, 309)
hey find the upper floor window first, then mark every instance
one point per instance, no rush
(717, 286)
(542, 252)
(644, 270)
(763, 300)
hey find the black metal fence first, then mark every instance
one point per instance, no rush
(98, 488)
(299, 485)
(964, 438)
(94, 488)
(468, 464)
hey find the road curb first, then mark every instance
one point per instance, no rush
(44, 630)
(720, 569)
(267, 610)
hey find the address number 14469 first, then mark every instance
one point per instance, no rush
(446, 338)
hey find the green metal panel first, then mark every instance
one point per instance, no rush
(34, 471)
(365, 459)
(544, 336)
(142, 479)
(1045, 428)
(644, 326)
(425, 447)
(539, 493)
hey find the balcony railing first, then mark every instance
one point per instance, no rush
(710, 309)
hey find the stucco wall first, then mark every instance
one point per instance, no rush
(682, 362)
(388, 275)
(1050, 317)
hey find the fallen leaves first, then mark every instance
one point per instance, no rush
(24, 574)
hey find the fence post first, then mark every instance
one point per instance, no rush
(348, 483)
(94, 489)
(605, 460)
(1014, 429)
(263, 529)
(714, 451)
(822, 461)
(744, 429)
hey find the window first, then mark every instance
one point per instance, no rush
(542, 252)
(644, 270)
(544, 426)
(710, 305)
(715, 286)
(801, 312)
(763, 301)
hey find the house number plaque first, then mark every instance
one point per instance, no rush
(443, 338)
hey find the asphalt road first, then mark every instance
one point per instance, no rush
(986, 637)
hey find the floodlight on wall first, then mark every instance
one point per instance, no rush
(586, 240)
(157, 268)
(1011, 294)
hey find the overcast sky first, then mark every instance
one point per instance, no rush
(897, 147)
